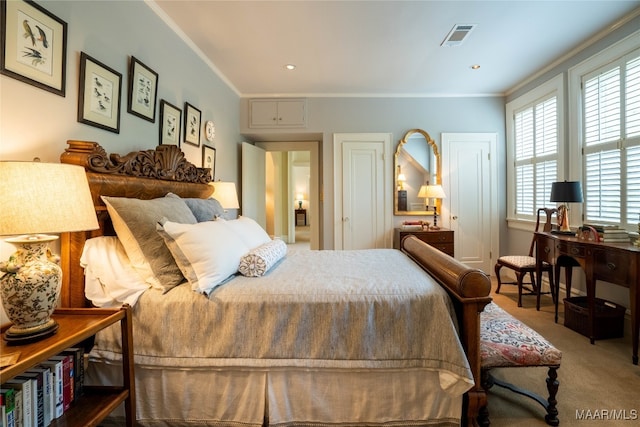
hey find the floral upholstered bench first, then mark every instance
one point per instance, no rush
(506, 342)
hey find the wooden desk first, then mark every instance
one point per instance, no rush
(617, 263)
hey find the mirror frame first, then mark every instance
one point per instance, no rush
(438, 178)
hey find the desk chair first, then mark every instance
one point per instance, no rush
(524, 265)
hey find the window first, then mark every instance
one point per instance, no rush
(533, 134)
(611, 141)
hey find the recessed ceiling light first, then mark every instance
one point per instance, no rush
(290, 67)
(475, 67)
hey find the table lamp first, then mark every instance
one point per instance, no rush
(565, 192)
(226, 194)
(432, 192)
(38, 198)
(300, 198)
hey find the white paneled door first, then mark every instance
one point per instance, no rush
(470, 209)
(363, 204)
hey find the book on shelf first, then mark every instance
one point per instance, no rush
(47, 392)
(78, 370)
(24, 386)
(37, 397)
(56, 371)
(7, 405)
(67, 379)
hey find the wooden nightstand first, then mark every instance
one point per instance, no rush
(76, 325)
(440, 239)
(301, 217)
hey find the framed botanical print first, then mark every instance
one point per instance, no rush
(99, 95)
(209, 159)
(143, 89)
(191, 124)
(170, 122)
(33, 46)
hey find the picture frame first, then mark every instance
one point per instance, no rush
(33, 46)
(192, 117)
(209, 159)
(143, 90)
(170, 123)
(99, 95)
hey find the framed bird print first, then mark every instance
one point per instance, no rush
(170, 122)
(143, 88)
(33, 46)
(99, 95)
(192, 124)
(209, 159)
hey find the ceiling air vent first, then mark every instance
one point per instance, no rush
(458, 34)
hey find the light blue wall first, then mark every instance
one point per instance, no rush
(35, 122)
(326, 116)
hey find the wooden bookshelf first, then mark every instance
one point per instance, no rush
(75, 326)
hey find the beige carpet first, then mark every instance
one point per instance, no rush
(593, 378)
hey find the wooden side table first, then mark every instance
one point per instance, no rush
(301, 217)
(76, 325)
(440, 239)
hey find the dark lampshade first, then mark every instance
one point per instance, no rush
(566, 192)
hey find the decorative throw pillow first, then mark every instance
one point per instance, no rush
(249, 231)
(207, 252)
(202, 209)
(260, 260)
(134, 221)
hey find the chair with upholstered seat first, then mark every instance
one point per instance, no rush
(524, 265)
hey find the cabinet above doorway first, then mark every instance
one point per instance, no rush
(277, 113)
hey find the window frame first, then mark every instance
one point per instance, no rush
(608, 58)
(552, 87)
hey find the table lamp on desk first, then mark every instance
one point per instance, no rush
(565, 192)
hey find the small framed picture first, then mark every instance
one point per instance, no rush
(99, 96)
(170, 122)
(209, 159)
(33, 46)
(143, 89)
(191, 124)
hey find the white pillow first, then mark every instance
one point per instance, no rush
(207, 252)
(110, 279)
(249, 231)
(260, 260)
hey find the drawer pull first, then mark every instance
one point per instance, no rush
(547, 250)
(575, 251)
(611, 266)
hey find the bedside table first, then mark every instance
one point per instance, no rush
(440, 239)
(76, 325)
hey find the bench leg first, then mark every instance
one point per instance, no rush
(487, 381)
(552, 386)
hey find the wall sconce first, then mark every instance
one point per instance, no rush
(432, 192)
(38, 198)
(565, 192)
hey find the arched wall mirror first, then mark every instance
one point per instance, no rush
(417, 163)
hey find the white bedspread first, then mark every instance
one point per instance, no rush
(383, 312)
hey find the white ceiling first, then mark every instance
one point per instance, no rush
(385, 48)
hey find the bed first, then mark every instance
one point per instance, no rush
(318, 338)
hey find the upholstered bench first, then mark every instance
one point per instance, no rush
(506, 342)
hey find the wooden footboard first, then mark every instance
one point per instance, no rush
(469, 289)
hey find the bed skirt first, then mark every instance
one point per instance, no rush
(283, 397)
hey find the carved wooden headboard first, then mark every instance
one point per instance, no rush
(140, 174)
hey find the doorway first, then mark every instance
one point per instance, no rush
(282, 161)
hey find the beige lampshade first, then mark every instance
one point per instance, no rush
(432, 192)
(44, 198)
(226, 194)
